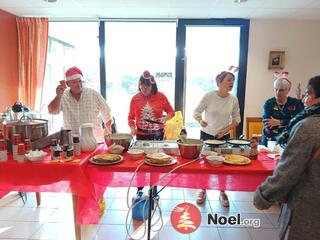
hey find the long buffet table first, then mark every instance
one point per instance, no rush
(87, 182)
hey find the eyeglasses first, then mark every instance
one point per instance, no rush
(75, 81)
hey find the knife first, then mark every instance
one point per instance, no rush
(153, 121)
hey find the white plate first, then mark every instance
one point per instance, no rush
(272, 155)
(239, 142)
(215, 142)
(106, 163)
(173, 161)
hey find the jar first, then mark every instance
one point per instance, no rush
(21, 153)
(254, 148)
(28, 145)
(87, 140)
(69, 154)
(76, 145)
(15, 143)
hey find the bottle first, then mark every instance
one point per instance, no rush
(76, 145)
(21, 153)
(65, 149)
(140, 210)
(28, 145)
(254, 148)
(56, 154)
(15, 143)
(3, 151)
(69, 153)
(53, 144)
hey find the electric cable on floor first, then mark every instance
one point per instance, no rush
(154, 199)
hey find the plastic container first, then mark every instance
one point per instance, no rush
(140, 210)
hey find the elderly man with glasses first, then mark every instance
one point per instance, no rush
(80, 105)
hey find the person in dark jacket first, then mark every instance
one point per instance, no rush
(279, 110)
(296, 177)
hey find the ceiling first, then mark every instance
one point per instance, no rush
(94, 9)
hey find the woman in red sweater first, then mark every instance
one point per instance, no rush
(146, 119)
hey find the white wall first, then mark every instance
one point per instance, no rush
(300, 39)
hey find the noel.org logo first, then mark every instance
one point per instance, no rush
(185, 218)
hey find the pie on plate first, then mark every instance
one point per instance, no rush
(236, 159)
(215, 142)
(239, 142)
(159, 159)
(106, 159)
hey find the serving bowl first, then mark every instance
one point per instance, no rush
(135, 154)
(215, 161)
(123, 139)
(190, 148)
(209, 153)
(35, 156)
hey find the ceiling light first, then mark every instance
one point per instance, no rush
(50, 1)
(240, 1)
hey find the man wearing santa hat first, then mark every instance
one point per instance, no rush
(80, 105)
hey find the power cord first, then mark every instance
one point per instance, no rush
(154, 199)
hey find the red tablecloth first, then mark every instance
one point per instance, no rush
(199, 174)
(49, 176)
(88, 181)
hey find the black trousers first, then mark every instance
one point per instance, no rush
(158, 135)
(205, 136)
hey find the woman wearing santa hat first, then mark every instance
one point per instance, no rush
(80, 105)
(279, 110)
(145, 118)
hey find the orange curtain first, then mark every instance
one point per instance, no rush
(32, 45)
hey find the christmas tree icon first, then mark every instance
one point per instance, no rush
(185, 222)
(147, 113)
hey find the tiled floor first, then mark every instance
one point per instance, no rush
(54, 220)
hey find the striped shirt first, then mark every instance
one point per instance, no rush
(91, 108)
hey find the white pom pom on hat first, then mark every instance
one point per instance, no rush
(74, 73)
(282, 81)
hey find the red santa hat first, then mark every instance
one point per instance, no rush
(146, 76)
(74, 73)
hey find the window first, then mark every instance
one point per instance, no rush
(209, 50)
(68, 47)
(131, 48)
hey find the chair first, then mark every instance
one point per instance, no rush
(233, 133)
(254, 126)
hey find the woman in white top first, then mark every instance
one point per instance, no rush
(221, 114)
